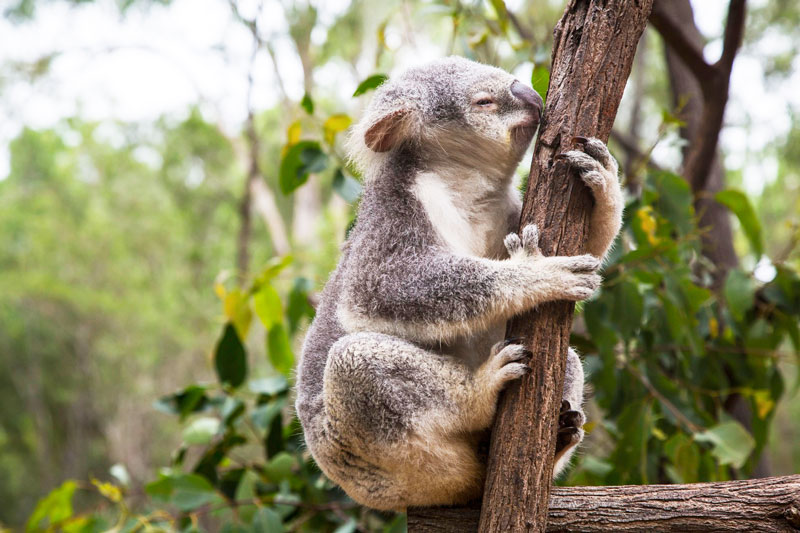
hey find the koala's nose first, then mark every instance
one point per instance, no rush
(526, 94)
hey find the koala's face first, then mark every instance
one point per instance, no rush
(453, 108)
(499, 108)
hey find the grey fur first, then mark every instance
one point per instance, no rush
(401, 368)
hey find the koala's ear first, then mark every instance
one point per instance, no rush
(388, 130)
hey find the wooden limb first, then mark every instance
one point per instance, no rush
(714, 82)
(765, 505)
(673, 34)
(593, 52)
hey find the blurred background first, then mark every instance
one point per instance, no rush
(173, 194)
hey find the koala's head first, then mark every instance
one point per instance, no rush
(451, 109)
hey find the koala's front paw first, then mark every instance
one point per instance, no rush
(570, 432)
(528, 245)
(504, 363)
(573, 278)
(595, 165)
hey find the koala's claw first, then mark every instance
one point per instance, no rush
(597, 149)
(530, 239)
(566, 439)
(505, 363)
(569, 428)
(594, 163)
(529, 242)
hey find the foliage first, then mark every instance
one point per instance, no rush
(667, 355)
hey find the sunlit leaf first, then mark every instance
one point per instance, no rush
(267, 304)
(301, 160)
(280, 349)
(237, 310)
(370, 83)
(540, 80)
(108, 490)
(230, 359)
(201, 430)
(53, 508)
(334, 125)
(732, 443)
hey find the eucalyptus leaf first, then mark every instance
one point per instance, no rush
(230, 358)
(370, 83)
(732, 443)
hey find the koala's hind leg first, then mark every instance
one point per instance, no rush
(571, 418)
(402, 421)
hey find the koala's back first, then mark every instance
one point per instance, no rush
(390, 223)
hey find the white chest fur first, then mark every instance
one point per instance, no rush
(470, 212)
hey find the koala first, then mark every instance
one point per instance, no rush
(402, 367)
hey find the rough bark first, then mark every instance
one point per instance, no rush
(593, 52)
(765, 505)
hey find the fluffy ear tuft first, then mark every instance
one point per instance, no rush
(386, 132)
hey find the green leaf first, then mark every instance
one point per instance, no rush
(53, 508)
(190, 400)
(280, 349)
(347, 527)
(307, 103)
(740, 205)
(267, 304)
(627, 308)
(732, 443)
(739, 293)
(201, 430)
(191, 491)
(267, 521)
(674, 200)
(274, 267)
(345, 186)
(334, 125)
(298, 306)
(269, 386)
(280, 467)
(237, 310)
(540, 80)
(230, 359)
(302, 159)
(370, 83)
(263, 415)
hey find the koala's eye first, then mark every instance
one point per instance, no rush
(483, 100)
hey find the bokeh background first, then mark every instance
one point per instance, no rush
(173, 194)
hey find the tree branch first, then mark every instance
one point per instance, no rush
(672, 33)
(767, 505)
(714, 82)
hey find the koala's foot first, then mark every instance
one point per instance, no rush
(599, 171)
(505, 363)
(571, 278)
(595, 165)
(569, 428)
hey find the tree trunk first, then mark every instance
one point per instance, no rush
(593, 52)
(763, 505)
